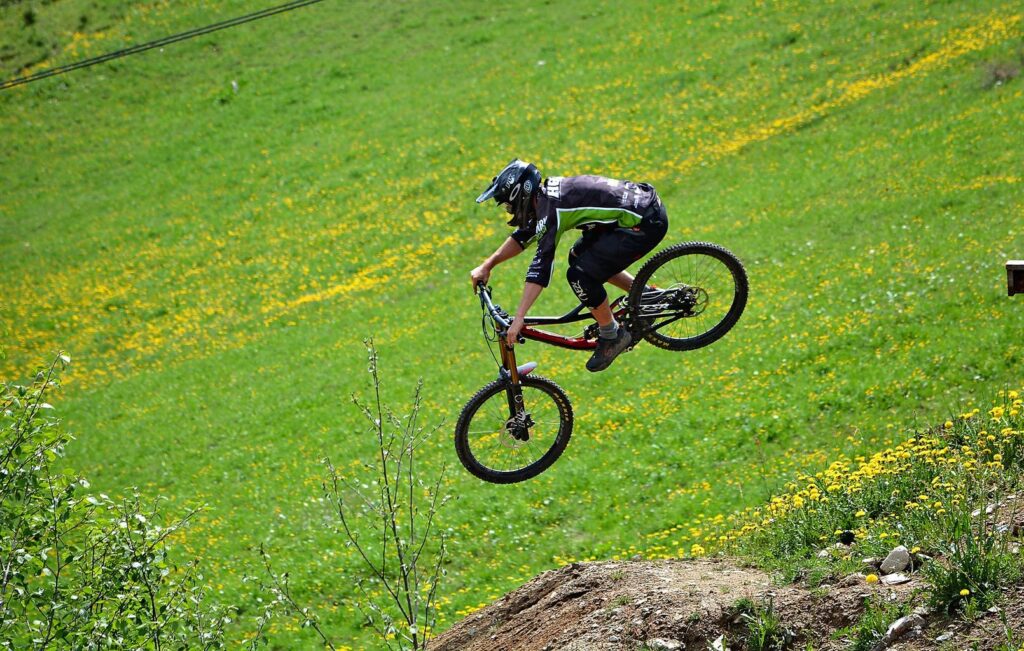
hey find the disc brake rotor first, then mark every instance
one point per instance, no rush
(691, 301)
(516, 432)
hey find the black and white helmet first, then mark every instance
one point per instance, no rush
(515, 186)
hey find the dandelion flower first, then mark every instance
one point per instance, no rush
(965, 592)
(871, 578)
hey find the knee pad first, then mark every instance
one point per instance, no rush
(589, 290)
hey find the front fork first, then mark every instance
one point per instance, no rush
(519, 423)
(511, 370)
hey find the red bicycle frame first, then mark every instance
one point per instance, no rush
(530, 331)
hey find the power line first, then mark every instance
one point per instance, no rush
(159, 43)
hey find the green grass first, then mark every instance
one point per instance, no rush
(212, 259)
(874, 622)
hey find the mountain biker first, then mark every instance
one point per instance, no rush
(621, 222)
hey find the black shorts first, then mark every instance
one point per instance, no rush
(603, 252)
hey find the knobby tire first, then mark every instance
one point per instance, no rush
(738, 298)
(471, 417)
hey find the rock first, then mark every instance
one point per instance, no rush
(719, 644)
(948, 635)
(871, 561)
(825, 553)
(904, 625)
(898, 629)
(989, 510)
(895, 579)
(661, 644)
(897, 560)
(849, 581)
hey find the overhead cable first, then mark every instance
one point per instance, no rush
(296, 4)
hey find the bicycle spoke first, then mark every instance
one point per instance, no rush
(496, 447)
(715, 285)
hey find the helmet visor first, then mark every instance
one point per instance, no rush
(489, 192)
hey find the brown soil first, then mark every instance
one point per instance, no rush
(987, 632)
(671, 604)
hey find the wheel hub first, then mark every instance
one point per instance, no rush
(517, 430)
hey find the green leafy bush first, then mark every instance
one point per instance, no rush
(79, 570)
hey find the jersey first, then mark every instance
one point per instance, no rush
(580, 202)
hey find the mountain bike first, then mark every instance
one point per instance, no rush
(684, 297)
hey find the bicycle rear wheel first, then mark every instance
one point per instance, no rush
(497, 446)
(688, 295)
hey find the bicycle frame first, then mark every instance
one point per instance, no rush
(576, 315)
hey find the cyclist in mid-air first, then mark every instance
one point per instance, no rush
(621, 222)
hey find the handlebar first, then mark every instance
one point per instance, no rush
(499, 315)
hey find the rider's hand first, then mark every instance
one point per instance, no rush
(512, 337)
(480, 275)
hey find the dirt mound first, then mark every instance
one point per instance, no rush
(673, 604)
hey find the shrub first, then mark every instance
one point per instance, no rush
(388, 515)
(79, 570)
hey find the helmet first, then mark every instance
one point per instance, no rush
(515, 186)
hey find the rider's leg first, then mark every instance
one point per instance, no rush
(588, 289)
(603, 313)
(623, 280)
(611, 339)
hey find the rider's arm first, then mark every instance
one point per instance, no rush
(509, 249)
(530, 293)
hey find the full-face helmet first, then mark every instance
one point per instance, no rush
(515, 187)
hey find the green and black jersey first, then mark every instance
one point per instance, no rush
(582, 202)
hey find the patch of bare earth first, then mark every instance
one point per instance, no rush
(986, 633)
(672, 604)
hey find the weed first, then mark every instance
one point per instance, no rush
(1013, 642)
(997, 73)
(619, 601)
(976, 563)
(742, 606)
(765, 631)
(878, 616)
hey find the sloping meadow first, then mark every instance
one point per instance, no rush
(211, 231)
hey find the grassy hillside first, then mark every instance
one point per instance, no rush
(212, 257)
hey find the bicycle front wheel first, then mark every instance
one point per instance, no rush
(499, 446)
(688, 295)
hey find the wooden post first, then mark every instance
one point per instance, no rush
(1014, 277)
